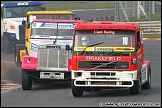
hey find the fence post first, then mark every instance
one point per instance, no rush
(138, 9)
(134, 8)
(126, 9)
(117, 17)
(149, 10)
(153, 7)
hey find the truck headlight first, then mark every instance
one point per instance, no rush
(134, 61)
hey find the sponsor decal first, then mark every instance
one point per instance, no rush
(22, 3)
(105, 49)
(34, 46)
(103, 58)
(12, 27)
(56, 47)
(104, 32)
(67, 37)
(53, 25)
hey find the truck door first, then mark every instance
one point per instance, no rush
(139, 50)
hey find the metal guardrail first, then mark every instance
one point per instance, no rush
(151, 27)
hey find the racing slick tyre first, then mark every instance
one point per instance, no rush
(7, 45)
(18, 47)
(147, 85)
(26, 80)
(76, 91)
(136, 87)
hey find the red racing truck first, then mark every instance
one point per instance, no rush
(45, 58)
(107, 54)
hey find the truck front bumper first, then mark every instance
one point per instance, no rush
(104, 78)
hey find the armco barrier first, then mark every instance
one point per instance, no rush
(151, 27)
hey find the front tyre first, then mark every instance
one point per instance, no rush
(136, 87)
(76, 91)
(7, 45)
(26, 80)
(17, 57)
(147, 85)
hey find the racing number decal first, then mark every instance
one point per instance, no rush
(125, 40)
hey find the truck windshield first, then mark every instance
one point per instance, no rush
(52, 32)
(52, 16)
(38, 30)
(110, 38)
(20, 11)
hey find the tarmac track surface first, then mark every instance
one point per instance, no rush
(59, 94)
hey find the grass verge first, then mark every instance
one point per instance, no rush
(155, 17)
(152, 36)
(80, 6)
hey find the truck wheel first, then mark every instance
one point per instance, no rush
(17, 57)
(26, 80)
(18, 47)
(136, 87)
(76, 91)
(7, 45)
(147, 85)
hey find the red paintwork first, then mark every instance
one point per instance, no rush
(148, 63)
(107, 25)
(26, 65)
(70, 65)
(75, 60)
(12, 27)
(110, 25)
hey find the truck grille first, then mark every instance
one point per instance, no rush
(52, 58)
(103, 65)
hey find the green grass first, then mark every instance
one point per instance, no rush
(152, 36)
(155, 17)
(80, 6)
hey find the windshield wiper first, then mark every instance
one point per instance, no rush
(91, 46)
(104, 64)
(110, 52)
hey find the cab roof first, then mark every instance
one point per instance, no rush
(50, 12)
(56, 20)
(107, 25)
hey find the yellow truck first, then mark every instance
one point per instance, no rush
(44, 58)
(20, 49)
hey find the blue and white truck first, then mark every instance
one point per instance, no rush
(13, 16)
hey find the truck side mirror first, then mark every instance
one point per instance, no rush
(77, 18)
(67, 47)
